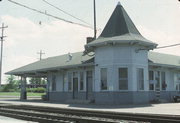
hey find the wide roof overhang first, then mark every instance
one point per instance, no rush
(44, 72)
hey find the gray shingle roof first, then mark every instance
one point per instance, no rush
(53, 63)
(119, 24)
(61, 61)
(164, 59)
(120, 29)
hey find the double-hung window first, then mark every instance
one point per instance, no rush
(81, 74)
(151, 80)
(140, 78)
(163, 80)
(103, 73)
(177, 81)
(123, 78)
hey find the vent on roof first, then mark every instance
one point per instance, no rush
(69, 56)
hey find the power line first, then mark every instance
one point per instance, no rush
(173, 45)
(66, 12)
(50, 15)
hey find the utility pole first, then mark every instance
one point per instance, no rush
(2, 39)
(40, 53)
(95, 31)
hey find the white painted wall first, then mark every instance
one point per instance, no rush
(62, 79)
(114, 56)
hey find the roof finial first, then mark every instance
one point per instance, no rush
(119, 3)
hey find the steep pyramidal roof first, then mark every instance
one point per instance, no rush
(119, 24)
(120, 29)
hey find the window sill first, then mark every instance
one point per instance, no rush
(140, 90)
(104, 90)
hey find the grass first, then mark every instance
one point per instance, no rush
(18, 94)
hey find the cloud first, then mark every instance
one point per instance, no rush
(26, 38)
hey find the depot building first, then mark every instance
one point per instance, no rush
(116, 68)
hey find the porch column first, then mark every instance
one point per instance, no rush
(47, 89)
(23, 95)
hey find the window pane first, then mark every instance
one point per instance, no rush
(151, 79)
(157, 78)
(140, 78)
(81, 81)
(103, 78)
(123, 73)
(123, 84)
(163, 81)
(123, 78)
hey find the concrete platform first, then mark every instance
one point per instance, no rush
(163, 108)
(12, 120)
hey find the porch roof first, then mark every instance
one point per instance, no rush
(54, 63)
(164, 60)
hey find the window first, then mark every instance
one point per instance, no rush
(123, 78)
(103, 78)
(69, 81)
(81, 81)
(151, 80)
(140, 78)
(53, 83)
(163, 81)
(177, 81)
(157, 78)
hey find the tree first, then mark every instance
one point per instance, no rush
(37, 81)
(12, 84)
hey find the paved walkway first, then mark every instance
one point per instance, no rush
(164, 108)
(12, 120)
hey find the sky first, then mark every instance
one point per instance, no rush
(157, 20)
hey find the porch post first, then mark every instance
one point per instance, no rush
(47, 89)
(23, 95)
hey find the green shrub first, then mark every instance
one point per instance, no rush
(36, 90)
(40, 90)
